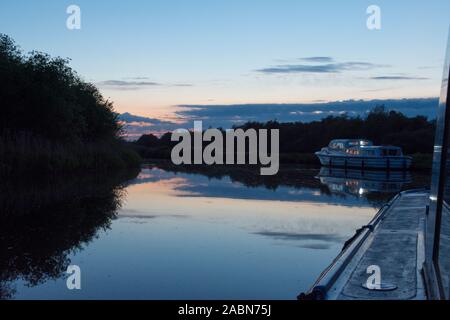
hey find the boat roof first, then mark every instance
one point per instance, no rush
(359, 142)
(380, 147)
(350, 140)
(362, 143)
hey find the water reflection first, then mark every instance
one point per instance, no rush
(360, 182)
(43, 222)
(180, 233)
(292, 183)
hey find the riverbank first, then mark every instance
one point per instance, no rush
(27, 154)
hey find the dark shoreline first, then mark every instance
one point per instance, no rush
(421, 162)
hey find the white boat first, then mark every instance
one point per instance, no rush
(360, 153)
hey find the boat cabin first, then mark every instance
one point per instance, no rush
(357, 147)
(342, 144)
(375, 151)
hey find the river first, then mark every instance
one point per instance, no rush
(178, 233)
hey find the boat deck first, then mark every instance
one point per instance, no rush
(394, 241)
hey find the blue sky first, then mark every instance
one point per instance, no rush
(151, 56)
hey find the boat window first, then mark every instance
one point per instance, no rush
(359, 143)
(443, 246)
(369, 152)
(438, 219)
(352, 151)
(390, 152)
(337, 145)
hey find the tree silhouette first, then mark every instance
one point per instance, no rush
(46, 107)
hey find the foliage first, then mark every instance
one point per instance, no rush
(51, 118)
(298, 140)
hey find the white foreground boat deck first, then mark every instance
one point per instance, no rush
(394, 241)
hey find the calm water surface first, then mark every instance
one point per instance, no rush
(170, 233)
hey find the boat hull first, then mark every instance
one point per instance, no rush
(381, 163)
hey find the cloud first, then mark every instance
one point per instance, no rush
(183, 85)
(124, 214)
(321, 68)
(301, 236)
(136, 84)
(317, 59)
(398, 78)
(135, 126)
(225, 116)
(121, 83)
(427, 67)
(127, 85)
(128, 117)
(137, 78)
(315, 246)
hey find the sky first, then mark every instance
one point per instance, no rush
(156, 58)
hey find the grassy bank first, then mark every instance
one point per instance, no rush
(25, 153)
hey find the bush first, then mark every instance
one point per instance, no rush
(52, 120)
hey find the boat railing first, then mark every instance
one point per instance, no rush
(320, 289)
